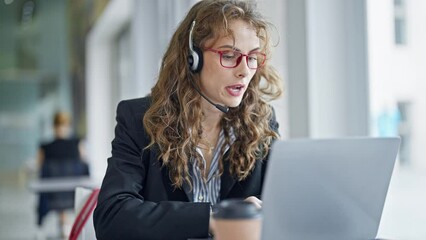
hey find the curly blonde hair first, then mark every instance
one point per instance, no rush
(174, 118)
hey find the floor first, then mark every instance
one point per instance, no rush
(18, 212)
(404, 215)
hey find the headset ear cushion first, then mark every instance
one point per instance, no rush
(199, 66)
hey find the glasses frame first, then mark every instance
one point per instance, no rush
(260, 65)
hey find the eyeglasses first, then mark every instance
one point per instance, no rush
(231, 58)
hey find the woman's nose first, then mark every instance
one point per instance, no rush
(242, 69)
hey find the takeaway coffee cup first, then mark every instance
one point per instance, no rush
(236, 219)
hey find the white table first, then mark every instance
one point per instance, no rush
(61, 184)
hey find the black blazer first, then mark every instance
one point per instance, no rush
(137, 199)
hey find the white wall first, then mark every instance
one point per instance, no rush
(100, 79)
(327, 68)
(399, 72)
(337, 68)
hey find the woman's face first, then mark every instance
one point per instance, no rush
(226, 86)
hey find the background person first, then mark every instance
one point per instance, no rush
(61, 157)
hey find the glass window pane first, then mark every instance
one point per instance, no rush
(400, 32)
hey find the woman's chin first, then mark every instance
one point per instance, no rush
(234, 104)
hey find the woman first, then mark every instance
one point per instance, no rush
(62, 157)
(203, 134)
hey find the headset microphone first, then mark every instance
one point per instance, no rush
(223, 109)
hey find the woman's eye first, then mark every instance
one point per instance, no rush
(253, 58)
(228, 55)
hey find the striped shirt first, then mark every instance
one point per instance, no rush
(208, 190)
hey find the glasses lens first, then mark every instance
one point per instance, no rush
(230, 58)
(255, 60)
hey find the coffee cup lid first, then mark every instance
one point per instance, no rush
(235, 209)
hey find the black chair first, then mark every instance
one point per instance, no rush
(59, 200)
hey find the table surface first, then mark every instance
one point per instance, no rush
(61, 184)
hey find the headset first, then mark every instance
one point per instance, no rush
(195, 61)
(195, 57)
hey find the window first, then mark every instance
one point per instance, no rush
(400, 22)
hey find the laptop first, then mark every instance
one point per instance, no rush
(327, 189)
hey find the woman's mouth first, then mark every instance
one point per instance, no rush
(235, 90)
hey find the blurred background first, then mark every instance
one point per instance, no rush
(349, 67)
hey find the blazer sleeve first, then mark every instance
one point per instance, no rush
(122, 212)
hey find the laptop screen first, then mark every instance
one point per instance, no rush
(327, 188)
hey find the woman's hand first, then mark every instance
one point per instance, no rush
(256, 201)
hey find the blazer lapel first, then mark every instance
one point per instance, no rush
(179, 194)
(226, 181)
(188, 191)
(183, 194)
(186, 188)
